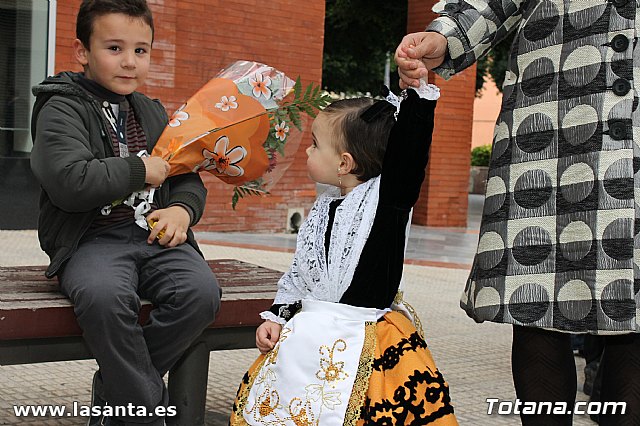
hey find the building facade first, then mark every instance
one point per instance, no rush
(443, 197)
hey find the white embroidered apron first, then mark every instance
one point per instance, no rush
(319, 370)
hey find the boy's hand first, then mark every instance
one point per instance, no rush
(174, 221)
(157, 170)
(417, 53)
(267, 336)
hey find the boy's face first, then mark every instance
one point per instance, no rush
(119, 53)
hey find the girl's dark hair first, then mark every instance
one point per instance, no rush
(366, 141)
(92, 9)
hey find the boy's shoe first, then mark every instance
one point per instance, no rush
(109, 421)
(97, 401)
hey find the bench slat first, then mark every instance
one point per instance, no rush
(32, 306)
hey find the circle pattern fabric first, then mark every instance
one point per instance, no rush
(558, 234)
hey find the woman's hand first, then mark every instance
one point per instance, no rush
(417, 53)
(267, 335)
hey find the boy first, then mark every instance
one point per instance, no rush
(87, 128)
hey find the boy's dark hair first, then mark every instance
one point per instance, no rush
(92, 9)
(366, 141)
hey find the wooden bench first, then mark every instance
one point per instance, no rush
(37, 324)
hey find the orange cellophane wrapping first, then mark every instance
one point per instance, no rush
(188, 148)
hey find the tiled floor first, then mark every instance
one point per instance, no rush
(474, 358)
(453, 247)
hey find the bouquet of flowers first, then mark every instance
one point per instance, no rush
(242, 126)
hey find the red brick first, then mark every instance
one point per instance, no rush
(189, 50)
(443, 196)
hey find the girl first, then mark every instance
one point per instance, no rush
(334, 352)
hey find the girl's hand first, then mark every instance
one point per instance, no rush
(267, 336)
(417, 53)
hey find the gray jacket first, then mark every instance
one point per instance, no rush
(73, 160)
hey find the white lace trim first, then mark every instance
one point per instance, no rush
(428, 91)
(311, 276)
(268, 315)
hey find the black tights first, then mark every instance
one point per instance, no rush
(621, 378)
(544, 370)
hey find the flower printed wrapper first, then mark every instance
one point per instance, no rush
(232, 127)
(266, 84)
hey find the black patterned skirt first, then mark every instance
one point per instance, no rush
(404, 386)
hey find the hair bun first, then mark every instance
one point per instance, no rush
(377, 109)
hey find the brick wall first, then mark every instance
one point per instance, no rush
(194, 39)
(443, 197)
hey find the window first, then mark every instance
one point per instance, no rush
(27, 58)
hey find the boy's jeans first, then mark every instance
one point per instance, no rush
(105, 279)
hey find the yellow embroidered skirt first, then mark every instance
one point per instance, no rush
(404, 387)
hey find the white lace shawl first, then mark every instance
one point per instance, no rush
(313, 275)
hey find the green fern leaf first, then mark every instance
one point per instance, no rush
(297, 89)
(235, 198)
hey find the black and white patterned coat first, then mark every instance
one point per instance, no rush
(558, 245)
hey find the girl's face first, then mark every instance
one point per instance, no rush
(323, 159)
